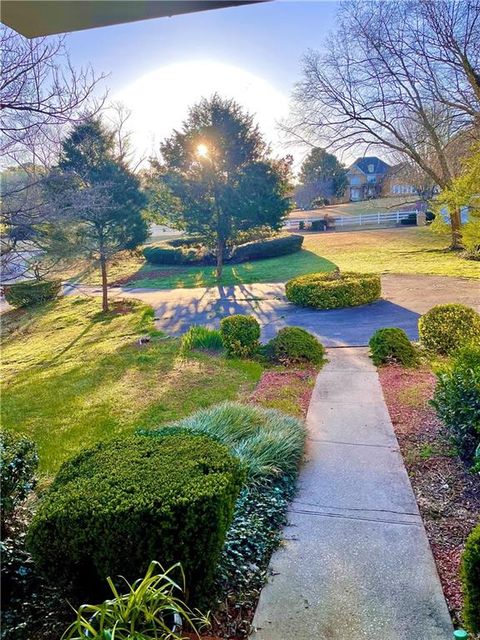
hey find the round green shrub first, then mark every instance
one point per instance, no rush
(448, 326)
(457, 400)
(293, 345)
(333, 290)
(392, 345)
(240, 335)
(25, 294)
(470, 576)
(114, 508)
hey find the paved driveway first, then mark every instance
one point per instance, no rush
(405, 298)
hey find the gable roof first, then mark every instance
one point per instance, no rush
(379, 166)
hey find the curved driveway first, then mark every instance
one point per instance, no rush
(405, 298)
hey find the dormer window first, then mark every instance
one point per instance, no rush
(370, 168)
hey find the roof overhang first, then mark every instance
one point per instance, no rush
(33, 18)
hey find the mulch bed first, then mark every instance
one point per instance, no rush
(448, 495)
(273, 384)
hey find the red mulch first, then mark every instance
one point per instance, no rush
(273, 383)
(448, 495)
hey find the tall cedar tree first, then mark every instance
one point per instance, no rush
(101, 198)
(221, 180)
(321, 175)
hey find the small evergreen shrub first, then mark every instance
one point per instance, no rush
(203, 338)
(268, 442)
(392, 345)
(293, 345)
(457, 400)
(25, 294)
(448, 326)
(268, 248)
(18, 462)
(114, 508)
(470, 576)
(333, 290)
(240, 335)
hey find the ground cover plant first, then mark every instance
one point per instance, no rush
(392, 345)
(333, 290)
(72, 377)
(447, 493)
(446, 327)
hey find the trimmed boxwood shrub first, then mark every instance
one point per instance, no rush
(18, 464)
(167, 254)
(25, 294)
(470, 576)
(269, 248)
(457, 400)
(392, 345)
(293, 345)
(448, 326)
(240, 335)
(333, 290)
(114, 508)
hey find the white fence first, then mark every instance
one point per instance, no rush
(332, 223)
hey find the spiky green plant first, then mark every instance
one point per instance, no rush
(267, 441)
(147, 611)
(200, 337)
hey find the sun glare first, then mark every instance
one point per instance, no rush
(160, 100)
(202, 150)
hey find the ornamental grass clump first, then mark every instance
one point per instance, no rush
(333, 290)
(114, 508)
(201, 338)
(268, 442)
(447, 327)
(392, 345)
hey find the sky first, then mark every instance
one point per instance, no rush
(160, 67)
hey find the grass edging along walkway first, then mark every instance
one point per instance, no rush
(72, 377)
(356, 562)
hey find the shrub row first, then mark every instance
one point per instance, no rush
(25, 294)
(114, 508)
(192, 251)
(333, 290)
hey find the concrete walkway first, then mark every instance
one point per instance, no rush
(356, 562)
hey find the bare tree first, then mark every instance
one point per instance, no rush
(383, 83)
(41, 94)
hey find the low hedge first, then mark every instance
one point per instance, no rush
(269, 248)
(392, 345)
(114, 508)
(333, 290)
(457, 400)
(240, 335)
(448, 326)
(193, 251)
(293, 345)
(470, 576)
(25, 294)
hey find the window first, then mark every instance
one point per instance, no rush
(371, 168)
(371, 179)
(354, 180)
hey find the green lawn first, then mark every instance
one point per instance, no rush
(72, 377)
(410, 250)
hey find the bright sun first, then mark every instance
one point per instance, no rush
(160, 100)
(202, 150)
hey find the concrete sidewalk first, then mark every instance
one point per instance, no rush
(356, 562)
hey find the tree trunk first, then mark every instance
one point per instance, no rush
(456, 224)
(220, 248)
(103, 266)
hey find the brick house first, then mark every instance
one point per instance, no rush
(365, 177)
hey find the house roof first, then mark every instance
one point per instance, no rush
(33, 18)
(363, 164)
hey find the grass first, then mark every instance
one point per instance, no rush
(411, 250)
(72, 377)
(268, 442)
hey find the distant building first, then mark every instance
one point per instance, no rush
(365, 178)
(398, 181)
